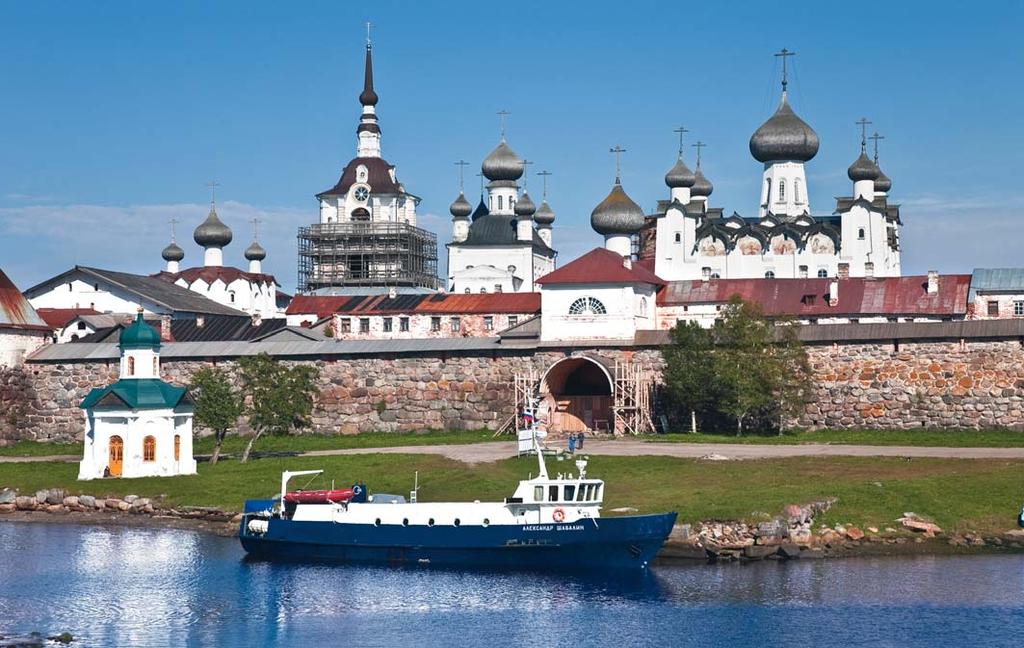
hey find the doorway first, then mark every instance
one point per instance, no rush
(580, 389)
(116, 460)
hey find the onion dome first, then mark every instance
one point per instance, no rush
(480, 211)
(679, 175)
(524, 206)
(882, 181)
(173, 252)
(461, 207)
(544, 215)
(862, 168)
(784, 137)
(502, 164)
(255, 252)
(139, 335)
(368, 97)
(212, 232)
(701, 185)
(617, 214)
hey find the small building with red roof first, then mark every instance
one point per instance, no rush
(22, 331)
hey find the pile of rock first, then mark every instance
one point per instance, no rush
(56, 501)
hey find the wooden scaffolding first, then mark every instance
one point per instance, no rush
(525, 385)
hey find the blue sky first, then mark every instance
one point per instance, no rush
(114, 115)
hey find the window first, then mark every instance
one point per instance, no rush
(993, 309)
(456, 324)
(679, 237)
(782, 190)
(1018, 309)
(155, 371)
(497, 288)
(803, 272)
(538, 493)
(809, 299)
(822, 273)
(467, 291)
(796, 190)
(488, 322)
(403, 323)
(715, 275)
(231, 296)
(860, 234)
(483, 290)
(552, 493)
(513, 320)
(131, 365)
(177, 447)
(705, 272)
(769, 274)
(643, 306)
(570, 493)
(149, 449)
(386, 324)
(587, 306)
(81, 326)
(364, 324)
(346, 325)
(435, 324)
(499, 203)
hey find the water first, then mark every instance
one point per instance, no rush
(144, 587)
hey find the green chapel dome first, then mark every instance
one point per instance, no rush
(139, 335)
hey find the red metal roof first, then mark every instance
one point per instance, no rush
(15, 311)
(601, 266)
(438, 303)
(858, 296)
(209, 274)
(59, 317)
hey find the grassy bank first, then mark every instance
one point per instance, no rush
(978, 495)
(918, 437)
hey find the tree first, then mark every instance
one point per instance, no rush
(217, 404)
(760, 364)
(279, 398)
(690, 369)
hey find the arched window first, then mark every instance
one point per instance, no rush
(770, 274)
(587, 306)
(715, 275)
(860, 234)
(149, 448)
(177, 447)
(679, 237)
(823, 274)
(231, 295)
(482, 289)
(155, 371)
(782, 190)
(796, 190)
(467, 291)
(131, 365)
(643, 306)
(499, 203)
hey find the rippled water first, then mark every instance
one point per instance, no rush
(143, 587)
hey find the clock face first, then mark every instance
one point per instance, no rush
(361, 194)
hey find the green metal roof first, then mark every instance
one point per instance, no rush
(137, 393)
(140, 335)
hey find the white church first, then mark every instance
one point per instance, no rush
(139, 426)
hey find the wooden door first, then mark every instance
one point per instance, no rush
(116, 456)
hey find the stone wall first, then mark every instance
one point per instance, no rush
(921, 384)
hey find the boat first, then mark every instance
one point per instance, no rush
(550, 522)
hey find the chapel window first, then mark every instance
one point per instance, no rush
(587, 306)
(499, 203)
(822, 273)
(131, 366)
(155, 371)
(177, 447)
(782, 190)
(796, 190)
(149, 448)
(679, 237)
(860, 234)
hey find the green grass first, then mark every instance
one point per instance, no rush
(959, 494)
(917, 437)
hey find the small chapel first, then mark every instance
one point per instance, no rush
(139, 426)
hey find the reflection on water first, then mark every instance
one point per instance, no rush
(130, 587)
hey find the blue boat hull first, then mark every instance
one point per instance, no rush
(617, 542)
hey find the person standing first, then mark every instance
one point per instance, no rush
(572, 443)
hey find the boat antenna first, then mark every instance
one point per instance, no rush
(531, 408)
(415, 487)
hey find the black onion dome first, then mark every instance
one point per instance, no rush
(212, 232)
(544, 215)
(784, 137)
(862, 169)
(679, 175)
(502, 164)
(173, 252)
(368, 97)
(524, 206)
(461, 207)
(481, 210)
(617, 214)
(255, 252)
(882, 182)
(701, 185)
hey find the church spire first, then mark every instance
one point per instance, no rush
(368, 132)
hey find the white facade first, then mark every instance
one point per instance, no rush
(16, 343)
(596, 311)
(478, 269)
(253, 294)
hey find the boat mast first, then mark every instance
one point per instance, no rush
(531, 410)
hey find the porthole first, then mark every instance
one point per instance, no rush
(376, 522)
(405, 521)
(487, 522)
(430, 522)
(457, 522)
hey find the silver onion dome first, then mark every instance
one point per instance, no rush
(460, 208)
(679, 175)
(173, 252)
(862, 168)
(784, 137)
(502, 164)
(544, 215)
(617, 214)
(255, 252)
(212, 232)
(524, 206)
(882, 182)
(701, 185)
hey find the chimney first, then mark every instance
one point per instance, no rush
(200, 321)
(833, 293)
(869, 270)
(844, 271)
(165, 328)
(392, 292)
(933, 282)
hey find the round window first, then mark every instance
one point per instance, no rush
(587, 306)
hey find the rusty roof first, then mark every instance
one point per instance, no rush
(601, 266)
(430, 304)
(858, 296)
(15, 310)
(60, 317)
